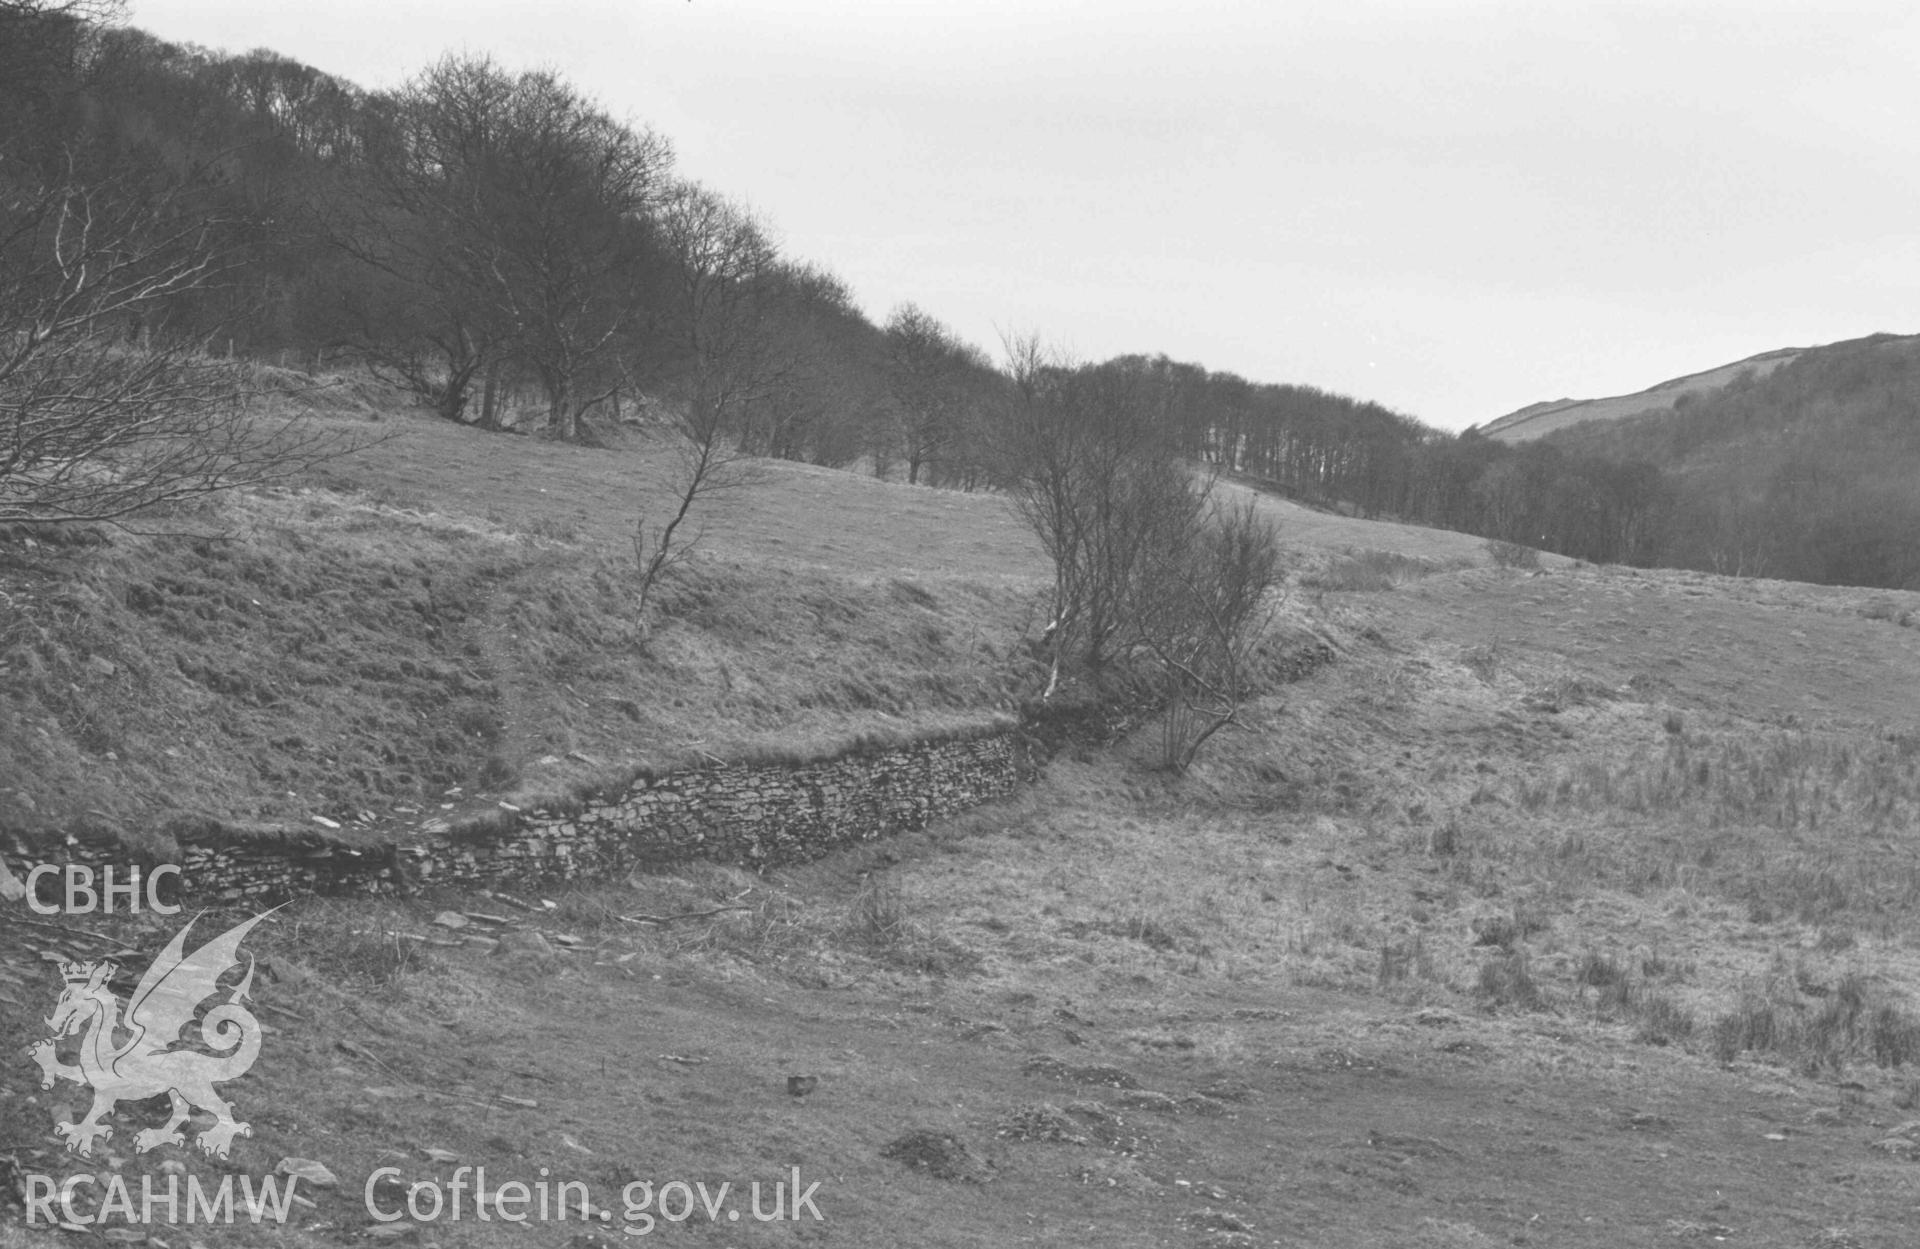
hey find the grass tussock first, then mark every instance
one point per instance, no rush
(1887, 609)
(1512, 555)
(1789, 780)
(880, 923)
(1370, 571)
(349, 945)
(1613, 990)
(1508, 980)
(1506, 932)
(1818, 1029)
(1408, 958)
(1789, 826)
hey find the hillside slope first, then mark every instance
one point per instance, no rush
(1568, 907)
(1537, 420)
(451, 609)
(1806, 473)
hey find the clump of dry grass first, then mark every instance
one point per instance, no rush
(377, 945)
(1512, 555)
(879, 922)
(1504, 932)
(1851, 1021)
(1369, 571)
(1888, 610)
(1508, 980)
(1789, 824)
(1787, 780)
(1408, 957)
(1617, 993)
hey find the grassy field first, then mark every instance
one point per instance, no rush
(1570, 906)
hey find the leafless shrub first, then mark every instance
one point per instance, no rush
(1148, 565)
(1207, 615)
(720, 364)
(706, 465)
(1370, 570)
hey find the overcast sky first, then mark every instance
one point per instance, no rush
(1451, 208)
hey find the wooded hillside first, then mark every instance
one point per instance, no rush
(519, 260)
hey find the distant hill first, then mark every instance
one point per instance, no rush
(1536, 420)
(1808, 469)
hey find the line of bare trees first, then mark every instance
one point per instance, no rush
(1333, 451)
(499, 221)
(486, 237)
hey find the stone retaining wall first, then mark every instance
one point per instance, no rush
(758, 815)
(751, 815)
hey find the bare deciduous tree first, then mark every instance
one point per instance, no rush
(706, 463)
(818, 408)
(1148, 567)
(1093, 476)
(94, 424)
(507, 214)
(929, 371)
(718, 359)
(44, 45)
(719, 362)
(1207, 611)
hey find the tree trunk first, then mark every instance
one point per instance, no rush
(490, 398)
(562, 421)
(451, 402)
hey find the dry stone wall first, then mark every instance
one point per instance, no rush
(751, 815)
(759, 815)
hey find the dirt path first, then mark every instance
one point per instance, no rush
(1432, 1129)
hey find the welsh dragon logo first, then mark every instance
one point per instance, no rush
(147, 1063)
